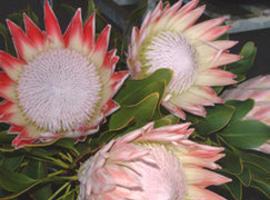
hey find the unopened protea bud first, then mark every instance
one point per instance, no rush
(152, 164)
(257, 89)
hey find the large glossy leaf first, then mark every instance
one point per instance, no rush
(245, 177)
(235, 188)
(217, 118)
(134, 91)
(242, 108)
(260, 180)
(259, 161)
(139, 113)
(246, 134)
(231, 163)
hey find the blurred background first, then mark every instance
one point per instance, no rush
(250, 20)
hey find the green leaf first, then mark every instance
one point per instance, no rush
(231, 157)
(38, 170)
(246, 134)
(29, 11)
(259, 161)
(155, 87)
(248, 54)
(91, 7)
(260, 180)
(217, 118)
(218, 89)
(20, 183)
(167, 120)
(42, 193)
(245, 177)
(136, 90)
(139, 113)
(6, 138)
(11, 162)
(5, 36)
(14, 182)
(235, 188)
(67, 143)
(263, 186)
(16, 17)
(242, 108)
(68, 9)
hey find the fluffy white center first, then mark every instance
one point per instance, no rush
(59, 90)
(165, 182)
(171, 50)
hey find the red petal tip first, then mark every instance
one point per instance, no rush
(51, 23)
(89, 31)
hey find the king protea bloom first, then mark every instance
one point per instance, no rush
(59, 84)
(152, 164)
(257, 89)
(169, 39)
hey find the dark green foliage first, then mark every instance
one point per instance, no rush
(49, 171)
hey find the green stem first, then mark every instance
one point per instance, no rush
(59, 191)
(56, 173)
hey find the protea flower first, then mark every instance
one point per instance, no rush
(257, 89)
(168, 39)
(152, 164)
(59, 84)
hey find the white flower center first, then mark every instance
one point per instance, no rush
(164, 182)
(59, 90)
(171, 50)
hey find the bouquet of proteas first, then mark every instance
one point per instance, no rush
(171, 125)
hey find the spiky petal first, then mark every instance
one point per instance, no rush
(60, 85)
(168, 38)
(152, 163)
(257, 89)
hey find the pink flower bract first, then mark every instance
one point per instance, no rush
(257, 89)
(151, 163)
(169, 39)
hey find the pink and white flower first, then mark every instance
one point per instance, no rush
(257, 89)
(151, 163)
(169, 39)
(59, 85)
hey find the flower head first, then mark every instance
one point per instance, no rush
(257, 89)
(168, 38)
(152, 163)
(59, 85)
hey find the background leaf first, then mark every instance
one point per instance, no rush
(241, 67)
(242, 108)
(14, 182)
(217, 118)
(140, 113)
(246, 134)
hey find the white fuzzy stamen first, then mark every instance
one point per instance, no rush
(171, 50)
(59, 90)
